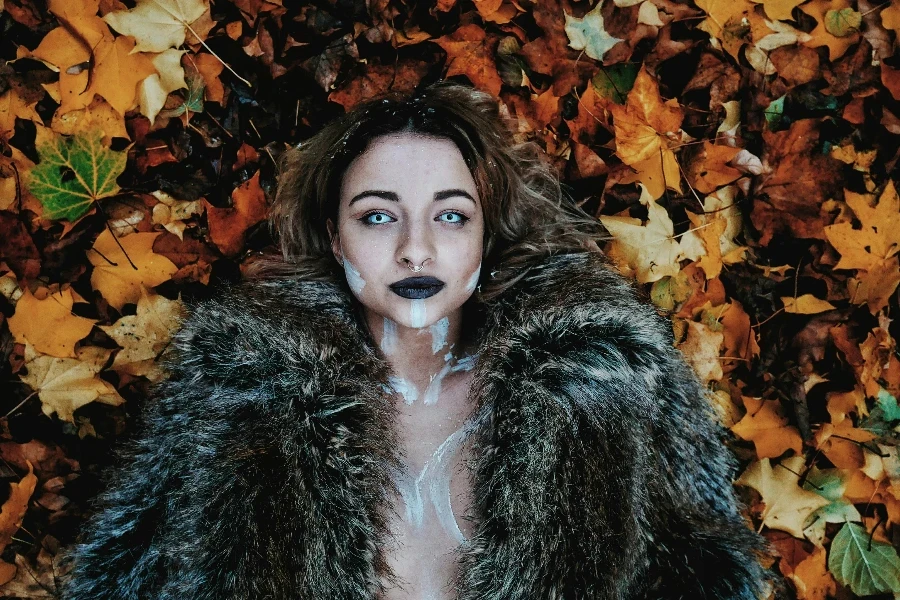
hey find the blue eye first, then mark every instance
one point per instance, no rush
(462, 218)
(366, 221)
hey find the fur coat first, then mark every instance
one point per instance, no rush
(265, 462)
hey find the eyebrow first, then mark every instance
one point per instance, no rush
(393, 197)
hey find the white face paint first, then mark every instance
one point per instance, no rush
(473, 280)
(354, 279)
(389, 337)
(434, 387)
(417, 314)
(439, 334)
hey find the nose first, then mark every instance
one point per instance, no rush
(416, 243)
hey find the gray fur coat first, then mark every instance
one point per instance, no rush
(267, 457)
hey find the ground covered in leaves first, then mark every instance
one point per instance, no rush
(740, 152)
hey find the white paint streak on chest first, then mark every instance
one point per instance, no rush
(404, 388)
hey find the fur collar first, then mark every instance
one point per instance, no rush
(600, 473)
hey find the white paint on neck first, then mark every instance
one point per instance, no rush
(434, 386)
(439, 334)
(417, 314)
(389, 337)
(404, 388)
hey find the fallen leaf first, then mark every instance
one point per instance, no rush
(767, 427)
(788, 506)
(589, 33)
(114, 276)
(66, 384)
(157, 25)
(49, 324)
(74, 172)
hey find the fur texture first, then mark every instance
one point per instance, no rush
(265, 466)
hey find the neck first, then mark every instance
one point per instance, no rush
(421, 358)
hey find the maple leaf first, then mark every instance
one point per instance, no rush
(645, 128)
(144, 335)
(650, 249)
(74, 172)
(469, 51)
(874, 247)
(12, 106)
(157, 25)
(788, 506)
(767, 427)
(228, 226)
(116, 278)
(66, 384)
(49, 324)
(589, 33)
(701, 349)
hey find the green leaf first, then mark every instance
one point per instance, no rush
(74, 172)
(888, 404)
(775, 112)
(865, 572)
(589, 34)
(843, 22)
(614, 82)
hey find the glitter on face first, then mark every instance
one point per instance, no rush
(389, 337)
(439, 334)
(417, 314)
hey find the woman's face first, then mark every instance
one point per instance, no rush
(407, 201)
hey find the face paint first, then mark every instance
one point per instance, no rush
(473, 280)
(417, 313)
(439, 334)
(434, 387)
(389, 337)
(354, 278)
(404, 388)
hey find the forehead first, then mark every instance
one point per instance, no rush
(407, 160)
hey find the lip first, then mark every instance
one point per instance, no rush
(413, 288)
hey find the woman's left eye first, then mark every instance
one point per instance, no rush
(460, 221)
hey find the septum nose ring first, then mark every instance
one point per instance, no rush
(417, 268)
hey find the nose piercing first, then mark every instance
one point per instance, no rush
(415, 269)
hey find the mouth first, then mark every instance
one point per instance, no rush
(414, 288)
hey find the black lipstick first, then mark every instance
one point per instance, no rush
(417, 287)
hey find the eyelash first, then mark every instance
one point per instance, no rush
(365, 222)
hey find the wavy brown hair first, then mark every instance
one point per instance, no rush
(527, 216)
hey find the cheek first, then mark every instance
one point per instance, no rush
(473, 279)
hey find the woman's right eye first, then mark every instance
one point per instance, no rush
(381, 218)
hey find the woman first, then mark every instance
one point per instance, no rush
(442, 390)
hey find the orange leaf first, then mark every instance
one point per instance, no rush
(469, 52)
(228, 226)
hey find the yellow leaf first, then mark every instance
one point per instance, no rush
(767, 427)
(116, 278)
(66, 384)
(144, 335)
(779, 9)
(788, 506)
(807, 304)
(649, 249)
(49, 324)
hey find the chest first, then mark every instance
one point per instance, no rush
(430, 514)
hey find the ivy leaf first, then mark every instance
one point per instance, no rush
(864, 571)
(73, 173)
(589, 34)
